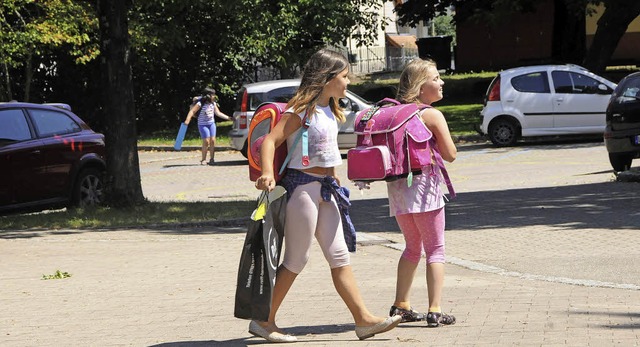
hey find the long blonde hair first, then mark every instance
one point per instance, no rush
(414, 75)
(323, 65)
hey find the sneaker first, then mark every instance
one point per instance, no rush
(407, 315)
(436, 319)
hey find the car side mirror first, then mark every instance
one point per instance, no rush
(603, 89)
(347, 104)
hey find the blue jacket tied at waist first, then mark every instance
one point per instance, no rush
(330, 186)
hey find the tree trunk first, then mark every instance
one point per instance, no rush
(569, 43)
(7, 82)
(611, 27)
(124, 188)
(28, 77)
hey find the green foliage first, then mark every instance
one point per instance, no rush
(38, 27)
(444, 26)
(32, 32)
(58, 275)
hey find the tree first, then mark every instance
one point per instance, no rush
(615, 20)
(30, 31)
(123, 173)
(168, 50)
(568, 36)
(284, 34)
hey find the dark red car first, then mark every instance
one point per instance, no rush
(49, 157)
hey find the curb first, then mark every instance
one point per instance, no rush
(168, 148)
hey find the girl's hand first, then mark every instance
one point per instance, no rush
(266, 182)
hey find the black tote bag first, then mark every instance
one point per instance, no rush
(260, 258)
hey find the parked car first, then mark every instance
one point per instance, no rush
(622, 132)
(544, 100)
(48, 157)
(250, 96)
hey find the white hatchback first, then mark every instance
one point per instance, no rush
(250, 96)
(544, 100)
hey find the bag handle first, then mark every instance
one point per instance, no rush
(365, 118)
(387, 101)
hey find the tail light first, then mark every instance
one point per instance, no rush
(245, 99)
(494, 92)
(242, 118)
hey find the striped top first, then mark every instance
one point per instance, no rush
(207, 113)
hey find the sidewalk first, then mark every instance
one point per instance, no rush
(538, 255)
(176, 288)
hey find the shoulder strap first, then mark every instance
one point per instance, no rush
(443, 169)
(302, 134)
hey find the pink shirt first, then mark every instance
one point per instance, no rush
(423, 195)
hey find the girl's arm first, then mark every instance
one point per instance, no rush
(435, 121)
(219, 113)
(287, 125)
(194, 109)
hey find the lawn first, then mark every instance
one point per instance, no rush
(167, 137)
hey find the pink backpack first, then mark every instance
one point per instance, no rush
(392, 142)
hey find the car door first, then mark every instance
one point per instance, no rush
(61, 149)
(579, 105)
(22, 168)
(530, 97)
(351, 105)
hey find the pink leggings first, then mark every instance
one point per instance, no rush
(308, 215)
(423, 231)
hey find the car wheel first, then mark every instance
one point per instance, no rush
(503, 132)
(620, 162)
(88, 189)
(243, 151)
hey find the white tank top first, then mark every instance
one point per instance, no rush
(323, 141)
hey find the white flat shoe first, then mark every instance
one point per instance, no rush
(256, 330)
(385, 325)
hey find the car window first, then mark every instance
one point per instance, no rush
(254, 100)
(628, 91)
(13, 126)
(50, 123)
(281, 94)
(574, 83)
(535, 82)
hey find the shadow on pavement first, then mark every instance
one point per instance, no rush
(300, 331)
(611, 205)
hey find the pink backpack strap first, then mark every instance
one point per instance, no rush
(443, 169)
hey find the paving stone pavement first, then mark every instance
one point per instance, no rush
(552, 263)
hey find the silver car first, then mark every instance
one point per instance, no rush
(250, 96)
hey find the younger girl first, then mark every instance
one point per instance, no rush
(419, 208)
